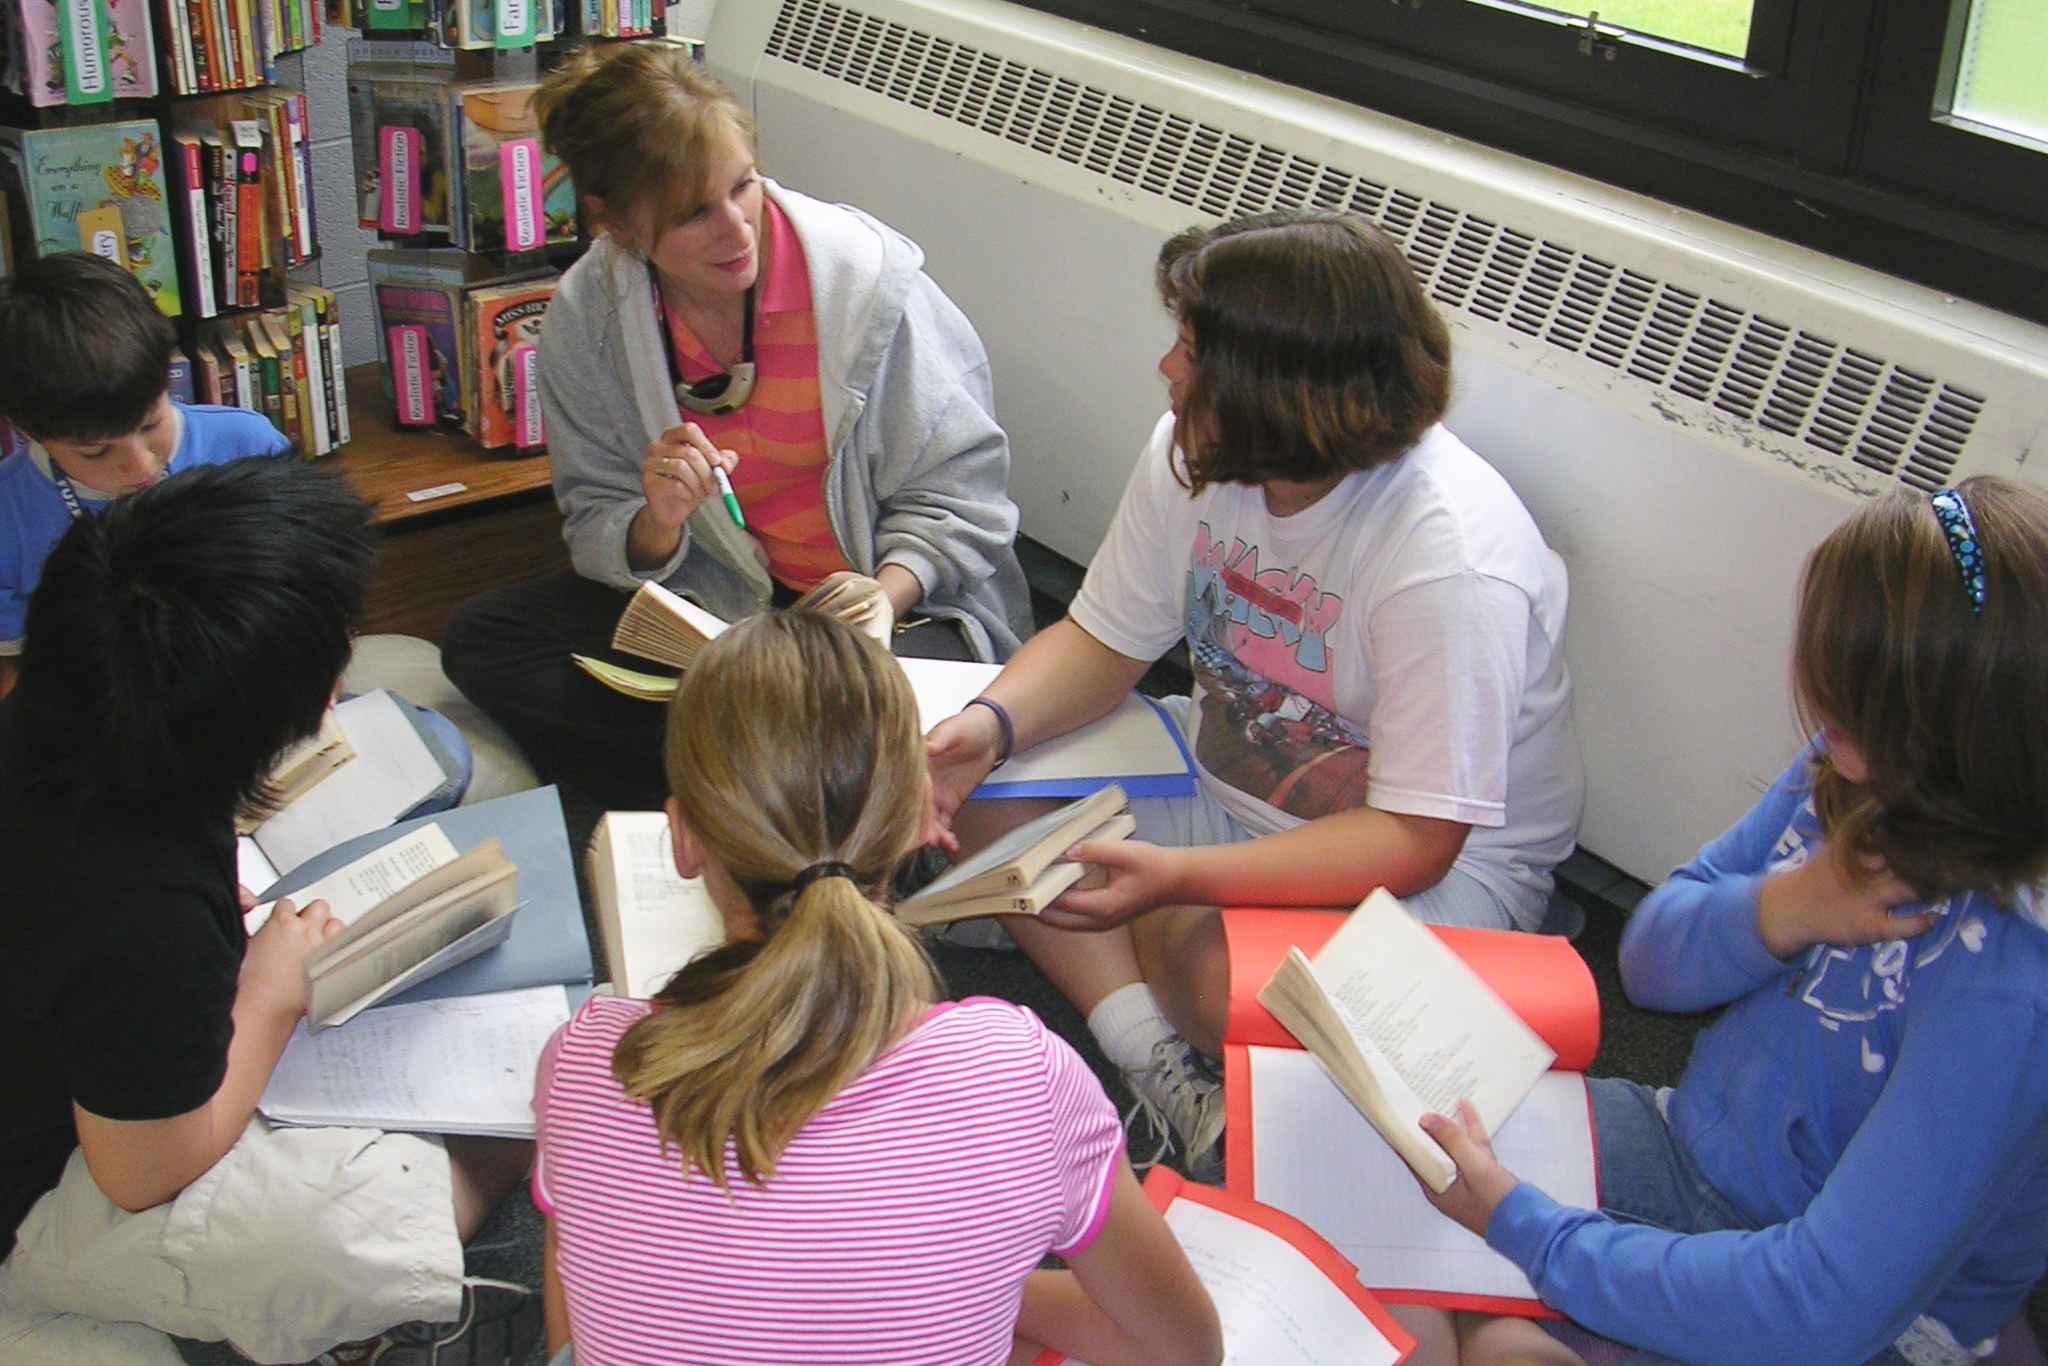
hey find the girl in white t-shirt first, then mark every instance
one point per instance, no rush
(1375, 629)
(793, 1152)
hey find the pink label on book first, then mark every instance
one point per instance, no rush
(519, 172)
(398, 207)
(412, 374)
(529, 428)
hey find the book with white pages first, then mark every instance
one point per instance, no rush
(1406, 1028)
(1135, 746)
(1283, 1295)
(460, 1065)
(1023, 870)
(394, 770)
(651, 918)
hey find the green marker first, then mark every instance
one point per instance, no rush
(732, 502)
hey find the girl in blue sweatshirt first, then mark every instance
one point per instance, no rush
(1855, 1165)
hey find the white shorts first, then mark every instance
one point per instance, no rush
(1199, 820)
(294, 1241)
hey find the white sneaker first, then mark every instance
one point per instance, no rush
(1180, 1095)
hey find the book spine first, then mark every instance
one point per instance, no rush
(301, 172)
(248, 213)
(320, 439)
(181, 376)
(199, 225)
(337, 380)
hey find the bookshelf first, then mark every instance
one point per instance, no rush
(500, 526)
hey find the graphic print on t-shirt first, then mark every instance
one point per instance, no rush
(1259, 643)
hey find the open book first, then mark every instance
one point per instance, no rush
(1405, 1028)
(548, 942)
(1299, 1142)
(669, 629)
(395, 767)
(300, 770)
(1283, 1295)
(411, 909)
(651, 918)
(1023, 871)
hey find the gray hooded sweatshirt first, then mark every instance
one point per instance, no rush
(919, 470)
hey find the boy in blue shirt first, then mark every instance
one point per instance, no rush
(88, 382)
(92, 394)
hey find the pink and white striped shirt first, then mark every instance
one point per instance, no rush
(897, 1227)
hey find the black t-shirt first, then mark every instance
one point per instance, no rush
(120, 945)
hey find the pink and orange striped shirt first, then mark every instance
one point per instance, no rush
(898, 1226)
(779, 434)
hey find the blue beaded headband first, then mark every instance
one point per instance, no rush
(1954, 515)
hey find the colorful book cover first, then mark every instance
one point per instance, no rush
(128, 51)
(505, 318)
(68, 173)
(403, 305)
(385, 101)
(513, 195)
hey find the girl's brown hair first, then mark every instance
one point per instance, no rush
(1315, 350)
(639, 126)
(1947, 705)
(793, 740)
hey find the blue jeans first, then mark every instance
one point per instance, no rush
(1647, 1178)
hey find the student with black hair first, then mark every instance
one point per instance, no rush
(176, 645)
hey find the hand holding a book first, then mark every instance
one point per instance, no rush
(273, 974)
(1826, 900)
(1482, 1183)
(1127, 879)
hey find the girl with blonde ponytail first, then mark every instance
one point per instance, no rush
(795, 1151)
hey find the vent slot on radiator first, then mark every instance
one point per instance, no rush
(1831, 398)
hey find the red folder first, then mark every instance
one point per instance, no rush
(1541, 977)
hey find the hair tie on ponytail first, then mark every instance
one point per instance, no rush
(818, 870)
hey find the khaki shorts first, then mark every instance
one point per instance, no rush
(297, 1239)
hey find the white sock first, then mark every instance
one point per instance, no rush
(1128, 1025)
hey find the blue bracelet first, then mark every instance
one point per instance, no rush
(1003, 720)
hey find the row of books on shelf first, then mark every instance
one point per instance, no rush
(83, 52)
(213, 232)
(93, 51)
(476, 24)
(244, 198)
(461, 352)
(284, 362)
(456, 160)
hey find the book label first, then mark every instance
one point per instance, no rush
(84, 34)
(398, 203)
(519, 174)
(515, 23)
(99, 232)
(412, 374)
(529, 429)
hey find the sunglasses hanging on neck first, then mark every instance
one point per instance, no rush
(726, 392)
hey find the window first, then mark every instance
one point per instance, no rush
(1910, 135)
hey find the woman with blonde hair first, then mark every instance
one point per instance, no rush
(746, 391)
(795, 1152)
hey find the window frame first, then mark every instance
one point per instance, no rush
(1833, 144)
